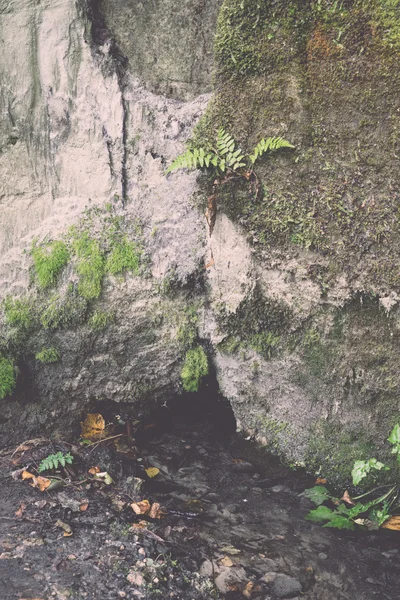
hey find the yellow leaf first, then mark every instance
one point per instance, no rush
(67, 529)
(392, 523)
(152, 471)
(226, 562)
(41, 483)
(93, 426)
(141, 508)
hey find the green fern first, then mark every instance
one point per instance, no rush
(268, 144)
(53, 461)
(227, 156)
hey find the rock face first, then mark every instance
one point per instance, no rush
(299, 304)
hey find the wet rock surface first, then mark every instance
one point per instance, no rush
(224, 531)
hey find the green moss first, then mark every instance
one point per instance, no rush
(18, 312)
(99, 320)
(187, 327)
(48, 355)
(90, 266)
(48, 261)
(194, 369)
(124, 256)
(7, 377)
(264, 343)
(63, 311)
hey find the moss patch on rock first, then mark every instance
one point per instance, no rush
(323, 75)
(7, 377)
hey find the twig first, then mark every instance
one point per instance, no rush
(112, 437)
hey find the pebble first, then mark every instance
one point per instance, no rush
(322, 556)
(285, 586)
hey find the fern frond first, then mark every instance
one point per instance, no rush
(197, 158)
(267, 145)
(52, 461)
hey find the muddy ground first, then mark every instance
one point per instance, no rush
(228, 523)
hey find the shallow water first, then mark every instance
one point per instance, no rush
(233, 525)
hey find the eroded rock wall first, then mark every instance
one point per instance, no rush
(299, 303)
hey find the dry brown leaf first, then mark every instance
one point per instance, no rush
(94, 470)
(141, 508)
(93, 426)
(321, 481)
(392, 523)
(66, 528)
(226, 562)
(37, 482)
(155, 511)
(84, 505)
(248, 589)
(346, 498)
(152, 471)
(210, 263)
(140, 525)
(20, 511)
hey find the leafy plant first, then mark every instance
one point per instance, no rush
(7, 377)
(48, 355)
(394, 439)
(194, 369)
(363, 467)
(48, 261)
(227, 157)
(53, 461)
(373, 511)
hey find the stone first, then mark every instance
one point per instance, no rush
(229, 577)
(285, 586)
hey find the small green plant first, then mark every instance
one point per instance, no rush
(99, 320)
(362, 468)
(7, 377)
(47, 355)
(18, 312)
(226, 157)
(194, 369)
(48, 261)
(394, 439)
(124, 256)
(346, 512)
(53, 461)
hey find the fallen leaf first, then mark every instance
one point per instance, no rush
(226, 562)
(94, 470)
(152, 471)
(392, 523)
(149, 426)
(141, 508)
(104, 477)
(155, 511)
(346, 498)
(84, 505)
(321, 481)
(65, 527)
(93, 426)
(20, 511)
(17, 474)
(248, 589)
(209, 264)
(37, 482)
(140, 525)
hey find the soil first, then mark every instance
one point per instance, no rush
(231, 523)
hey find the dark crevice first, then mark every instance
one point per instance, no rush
(98, 35)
